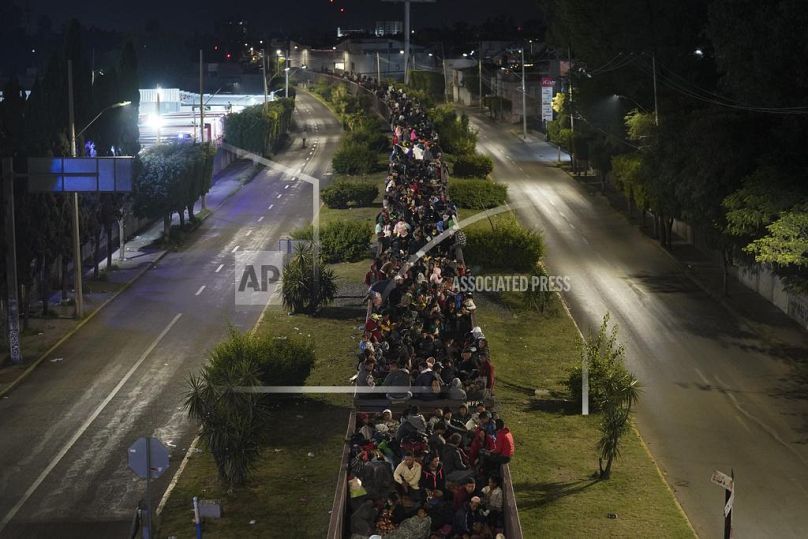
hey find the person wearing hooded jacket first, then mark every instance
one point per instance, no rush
(456, 391)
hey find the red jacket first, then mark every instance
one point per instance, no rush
(504, 444)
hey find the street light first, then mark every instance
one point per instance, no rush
(619, 96)
(97, 116)
(286, 92)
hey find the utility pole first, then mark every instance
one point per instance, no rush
(12, 305)
(264, 73)
(480, 66)
(524, 97)
(203, 201)
(572, 113)
(656, 105)
(378, 69)
(158, 115)
(406, 41)
(77, 266)
(201, 100)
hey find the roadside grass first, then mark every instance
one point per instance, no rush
(555, 450)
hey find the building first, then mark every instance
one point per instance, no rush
(178, 113)
(363, 56)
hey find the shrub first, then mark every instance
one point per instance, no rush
(477, 194)
(340, 241)
(473, 165)
(605, 359)
(342, 194)
(233, 422)
(299, 292)
(353, 158)
(509, 247)
(456, 136)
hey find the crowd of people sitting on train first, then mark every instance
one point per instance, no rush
(435, 477)
(417, 477)
(420, 330)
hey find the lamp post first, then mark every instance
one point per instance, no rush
(78, 310)
(524, 98)
(286, 91)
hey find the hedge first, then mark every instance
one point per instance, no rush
(353, 158)
(509, 247)
(259, 130)
(340, 241)
(477, 194)
(343, 193)
(472, 165)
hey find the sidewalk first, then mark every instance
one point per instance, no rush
(142, 252)
(762, 317)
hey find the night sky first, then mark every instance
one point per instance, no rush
(292, 16)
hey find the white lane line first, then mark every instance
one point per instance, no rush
(260, 218)
(562, 215)
(586, 241)
(219, 268)
(201, 288)
(551, 203)
(81, 430)
(701, 375)
(271, 206)
(572, 226)
(286, 186)
(236, 248)
(743, 423)
(248, 233)
(279, 195)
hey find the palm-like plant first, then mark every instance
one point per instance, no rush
(301, 294)
(231, 421)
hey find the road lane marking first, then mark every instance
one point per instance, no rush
(271, 206)
(219, 268)
(81, 430)
(260, 218)
(236, 248)
(279, 195)
(286, 186)
(701, 375)
(201, 288)
(572, 226)
(248, 233)
(743, 423)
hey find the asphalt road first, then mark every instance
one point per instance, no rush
(715, 395)
(66, 429)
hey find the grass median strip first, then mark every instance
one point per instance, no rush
(557, 495)
(291, 492)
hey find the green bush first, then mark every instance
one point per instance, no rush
(473, 165)
(353, 158)
(508, 247)
(342, 194)
(284, 361)
(477, 194)
(259, 129)
(340, 241)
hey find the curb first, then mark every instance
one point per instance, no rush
(633, 425)
(6, 390)
(30, 369)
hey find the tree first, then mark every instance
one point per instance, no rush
(232, 421)
(786, 244)
(300, 295)
(613, 390)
